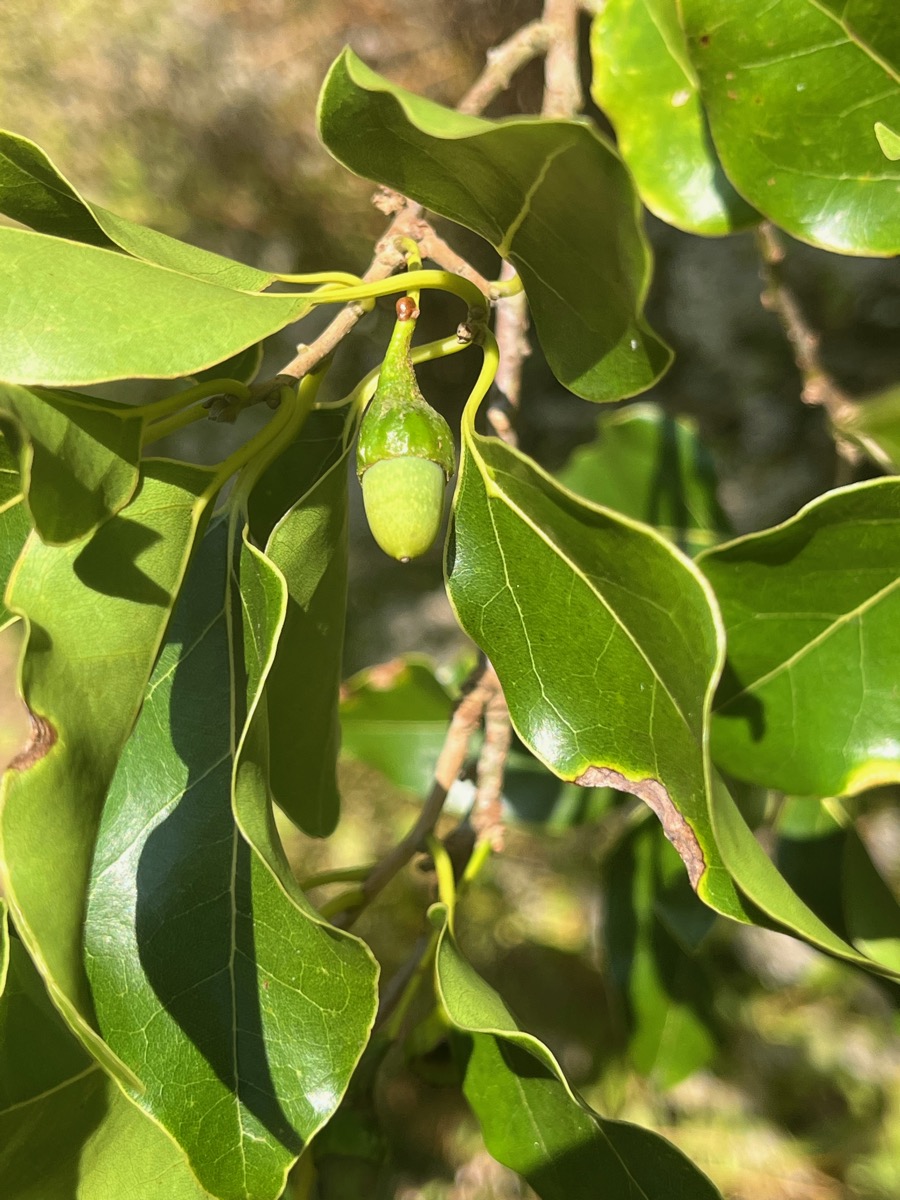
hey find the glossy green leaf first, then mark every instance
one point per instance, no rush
(653, 467)
(531, 1119)
(79, 461)
(96, 613)
(77, 314)
(643, 83)
(888, 140)
(66, 1132)
(871, 910)
(15, 524)
(604, 639)
(792, 94)
(34, 192)
(808, 702)
(195, 931)
(608, 646)
(662, 989)
(298, 515)
(394, 717)
(551, 196)
(874, 423)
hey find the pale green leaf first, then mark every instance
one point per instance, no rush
(77, 314)
(888, 140)
(34, 192)
(643, 82)
(96, 612)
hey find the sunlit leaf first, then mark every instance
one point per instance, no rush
(808, 702)
(66, 1132)
(78, 314)
(551, 196)
(531, 1119)
(194, 928)
(79, 461)
(643, 83)
(792, 91)
(96, 611)
(34, 192)
(608, 646)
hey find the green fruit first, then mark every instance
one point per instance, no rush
(404, 499)
(404, 456)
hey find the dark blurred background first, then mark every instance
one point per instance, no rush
(198, 117)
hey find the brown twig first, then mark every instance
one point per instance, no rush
(819, 387)
(511, 330)
(463, 725)
(503, 62)
(487, 815)
(562, 77)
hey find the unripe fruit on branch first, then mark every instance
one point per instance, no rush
(404, 455)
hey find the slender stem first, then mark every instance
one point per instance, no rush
(180, 420)
(403, 987)
(511, 325)
(487, 815)
(442, 281)
(338, 277)
(335, 875)
(427, 352)
(819, 387)
(346, 902)
(179, 400)
(463, 726)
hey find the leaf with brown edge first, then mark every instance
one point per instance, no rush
(609, 645)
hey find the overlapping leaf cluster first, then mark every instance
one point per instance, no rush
(200, 1020)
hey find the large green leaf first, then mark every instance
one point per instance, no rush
(298, 515)
(643, 82)
(34, 192)
(66, 1132)
(79, 460)
(551, 196)
(653, 467)
(239, 1010)
(14, 521)
(608, 644)
(96, 611)
(793, 95)
(874, 423)
(662, 988)
(604, 639)
(531, 1119)
(809, 701)
(77, 314)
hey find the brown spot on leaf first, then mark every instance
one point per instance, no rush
(43, 737)
(655, 796)
(703, 39)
